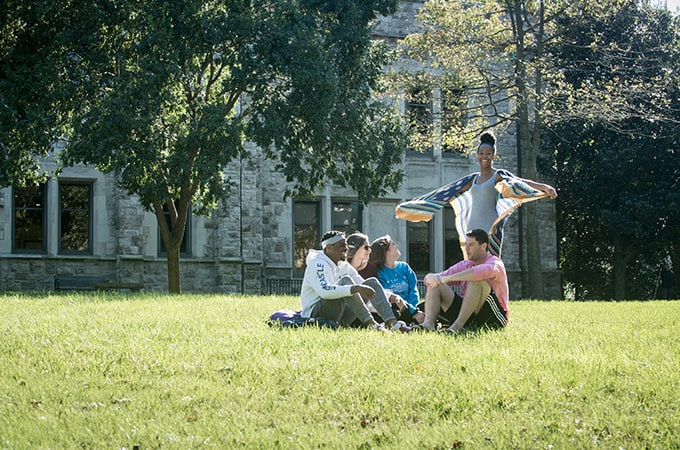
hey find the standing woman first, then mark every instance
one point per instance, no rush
(482, 200)
(398, 277)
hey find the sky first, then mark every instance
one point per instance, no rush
(672, 4)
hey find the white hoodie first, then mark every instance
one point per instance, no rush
(321, 278)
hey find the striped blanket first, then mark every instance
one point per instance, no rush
(512, 193)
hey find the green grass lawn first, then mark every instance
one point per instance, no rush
(159, 371)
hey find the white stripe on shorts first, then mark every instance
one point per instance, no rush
(496, 309)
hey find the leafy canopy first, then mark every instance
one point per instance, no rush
(165, 94)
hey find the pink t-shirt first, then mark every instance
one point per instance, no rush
(492, 270)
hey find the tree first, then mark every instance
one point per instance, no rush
(618, 191)
(505, 55)
(495, 53)
(619, 175)
(164, 95)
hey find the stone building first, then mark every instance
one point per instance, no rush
(80, 224)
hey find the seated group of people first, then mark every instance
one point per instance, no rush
(356, 283)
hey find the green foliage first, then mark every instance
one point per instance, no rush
(167, 94)
(616, 57)
(107, 370)
(30, 112)
(619, 175)
(603, 77)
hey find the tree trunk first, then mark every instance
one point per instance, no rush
(534, 288)
(674, 252)
(529, 139)
(172, 233)
(174, 278)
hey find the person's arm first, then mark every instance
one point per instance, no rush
(322, 281)
(366, 292)
(542, 187)
(502, 173)
(437, 279)
(433, 279)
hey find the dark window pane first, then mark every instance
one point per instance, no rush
(453, 118)
(75, 224)
(347, 216)
(419, 247)
(419, 118)
(29, 219)
(452, 251)
(306, 230)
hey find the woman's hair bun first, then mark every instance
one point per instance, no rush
(488, 138)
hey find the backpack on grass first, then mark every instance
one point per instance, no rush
(287, 318)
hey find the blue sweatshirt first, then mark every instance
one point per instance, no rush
(402, 281)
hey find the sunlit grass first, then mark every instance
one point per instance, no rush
(159, 371)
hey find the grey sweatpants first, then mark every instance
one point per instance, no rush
(346, 309)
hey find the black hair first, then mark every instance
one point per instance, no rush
(480, 235)
(330, 234)
(487, 138)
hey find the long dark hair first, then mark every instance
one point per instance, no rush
(378, 249)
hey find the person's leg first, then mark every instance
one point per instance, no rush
(380, 302)
(358, 309)
(491, 315)
(355, 306)
(330, 309)
(473, 300)
(436, 299)
(344, 310)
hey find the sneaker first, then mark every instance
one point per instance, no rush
(377, 327)
(401, 327)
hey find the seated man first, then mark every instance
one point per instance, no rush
(483, 283)
(328, 290)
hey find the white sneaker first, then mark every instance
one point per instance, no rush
(401, 327)
(378, 327)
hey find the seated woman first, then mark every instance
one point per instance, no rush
(397, 277)
(358, 253)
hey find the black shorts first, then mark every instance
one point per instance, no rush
(492, 314)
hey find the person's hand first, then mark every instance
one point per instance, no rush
(550, 191)
(432, 280)
(397, 300)
(366, 292)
